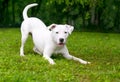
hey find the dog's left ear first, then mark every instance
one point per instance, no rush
(51, 27)
(70, 28)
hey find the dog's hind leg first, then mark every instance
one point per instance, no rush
(23, 40)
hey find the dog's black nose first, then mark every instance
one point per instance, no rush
(61, 40)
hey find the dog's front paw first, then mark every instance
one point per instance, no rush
(85, 62)
(22, 55)
(88, 62)
(52, 62)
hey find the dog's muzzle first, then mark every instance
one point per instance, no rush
(61, 40)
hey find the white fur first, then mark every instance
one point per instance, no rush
(46, 40)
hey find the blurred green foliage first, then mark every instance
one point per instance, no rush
(98, 15)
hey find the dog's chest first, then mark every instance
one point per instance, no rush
(58, 49)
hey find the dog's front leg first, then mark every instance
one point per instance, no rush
(36, 50)
(68, 56)
(47, 54)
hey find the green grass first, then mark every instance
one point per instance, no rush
(101, 49)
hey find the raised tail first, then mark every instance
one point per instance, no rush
(26, 9)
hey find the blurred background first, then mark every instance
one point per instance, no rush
(84, 15)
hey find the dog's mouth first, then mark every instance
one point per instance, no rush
(61, 44)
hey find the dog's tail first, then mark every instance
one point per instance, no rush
(26, 9)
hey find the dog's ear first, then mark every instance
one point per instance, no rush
(70, 28)
(51, 27)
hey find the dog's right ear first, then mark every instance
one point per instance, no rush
(51, 27)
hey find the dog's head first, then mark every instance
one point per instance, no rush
(60, 33)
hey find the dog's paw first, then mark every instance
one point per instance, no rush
(52, 62)
(85, 62)
(22, 55)
(88, 62)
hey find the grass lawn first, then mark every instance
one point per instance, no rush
(101, 49)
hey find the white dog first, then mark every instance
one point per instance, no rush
(46, 40)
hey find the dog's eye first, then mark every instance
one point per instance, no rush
(65, 32)
(57, 32)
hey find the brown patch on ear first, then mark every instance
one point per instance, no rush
(52, 27)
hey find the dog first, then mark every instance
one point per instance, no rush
(47, 40)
